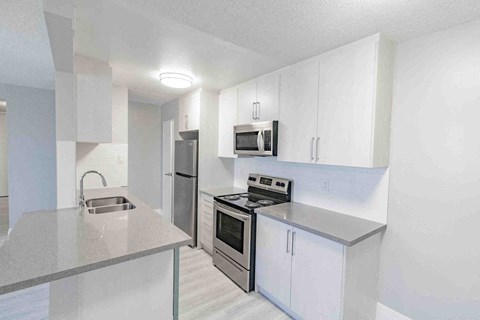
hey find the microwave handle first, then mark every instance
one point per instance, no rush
(260, 141)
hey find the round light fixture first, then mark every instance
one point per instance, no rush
(175, 80)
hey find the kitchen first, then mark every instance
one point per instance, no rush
(359, 124)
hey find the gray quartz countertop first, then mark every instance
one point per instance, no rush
(49, 245)
(222, 191)
(335, 226)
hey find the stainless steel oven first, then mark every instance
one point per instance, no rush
(232, 244)
(256, 139)
(232, 233)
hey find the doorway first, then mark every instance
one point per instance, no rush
(167, 171)
(3, 170)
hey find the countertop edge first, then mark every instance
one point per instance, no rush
(89, 267)
(323, 234)
(210, 191)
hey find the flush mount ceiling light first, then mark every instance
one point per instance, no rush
(175, 80)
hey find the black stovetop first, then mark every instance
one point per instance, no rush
(247, 202)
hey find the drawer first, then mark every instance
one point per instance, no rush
(207, 215)
(207, 239)
(206, 207)
(207, 226)
(207, 200)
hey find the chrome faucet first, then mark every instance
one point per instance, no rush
(82, 196)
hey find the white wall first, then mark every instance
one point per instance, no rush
(145, 153)
(110, 159)
(31, 150)
(3, 155)
(355, 191)
(430, 258)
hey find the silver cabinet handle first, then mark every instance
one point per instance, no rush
(168, 174)
(294, 233)
(253, 110)
(316, 148)
(311, 148)
(258, 110)
(288, 240)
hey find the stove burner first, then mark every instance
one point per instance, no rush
(250, 204)
(244, 195)
(232, 197)
(265, 202)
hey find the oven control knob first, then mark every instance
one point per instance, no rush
(280, 184)
(252, 178)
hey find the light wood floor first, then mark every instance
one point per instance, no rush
(206, 293)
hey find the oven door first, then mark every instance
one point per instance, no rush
(232, 233)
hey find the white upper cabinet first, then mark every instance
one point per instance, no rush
(258, 99)
(93, 100)
(247, 97)
(94, 108)
(335, 109)
(297, 125)
(189, 111)
(227, 118)
(355, 103)
(268, 97)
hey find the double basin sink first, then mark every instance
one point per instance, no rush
(111, 204)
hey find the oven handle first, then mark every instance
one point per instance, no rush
(230, 212)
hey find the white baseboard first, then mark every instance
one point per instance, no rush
(385, 313)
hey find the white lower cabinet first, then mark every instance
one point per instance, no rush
(317, 273)
(205, 223)
(311, 277)
(273, 262)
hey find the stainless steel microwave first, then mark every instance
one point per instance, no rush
(256, 139)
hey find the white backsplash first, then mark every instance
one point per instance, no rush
(354, 191)
(110, 159)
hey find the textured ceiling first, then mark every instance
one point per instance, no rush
(292, 30)
(222, 43)
(25, 56)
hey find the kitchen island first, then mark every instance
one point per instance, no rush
(120, 265)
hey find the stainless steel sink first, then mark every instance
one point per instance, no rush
(112, 204)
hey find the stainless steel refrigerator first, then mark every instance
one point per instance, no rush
(185, 187)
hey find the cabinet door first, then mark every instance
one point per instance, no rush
(346, 104)
(317, 276)
(227, 118)
(182, 115)
(94, 108)
(273, 258)
(189, 112)
(247, 96)
(297, 126)
(268, 94)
